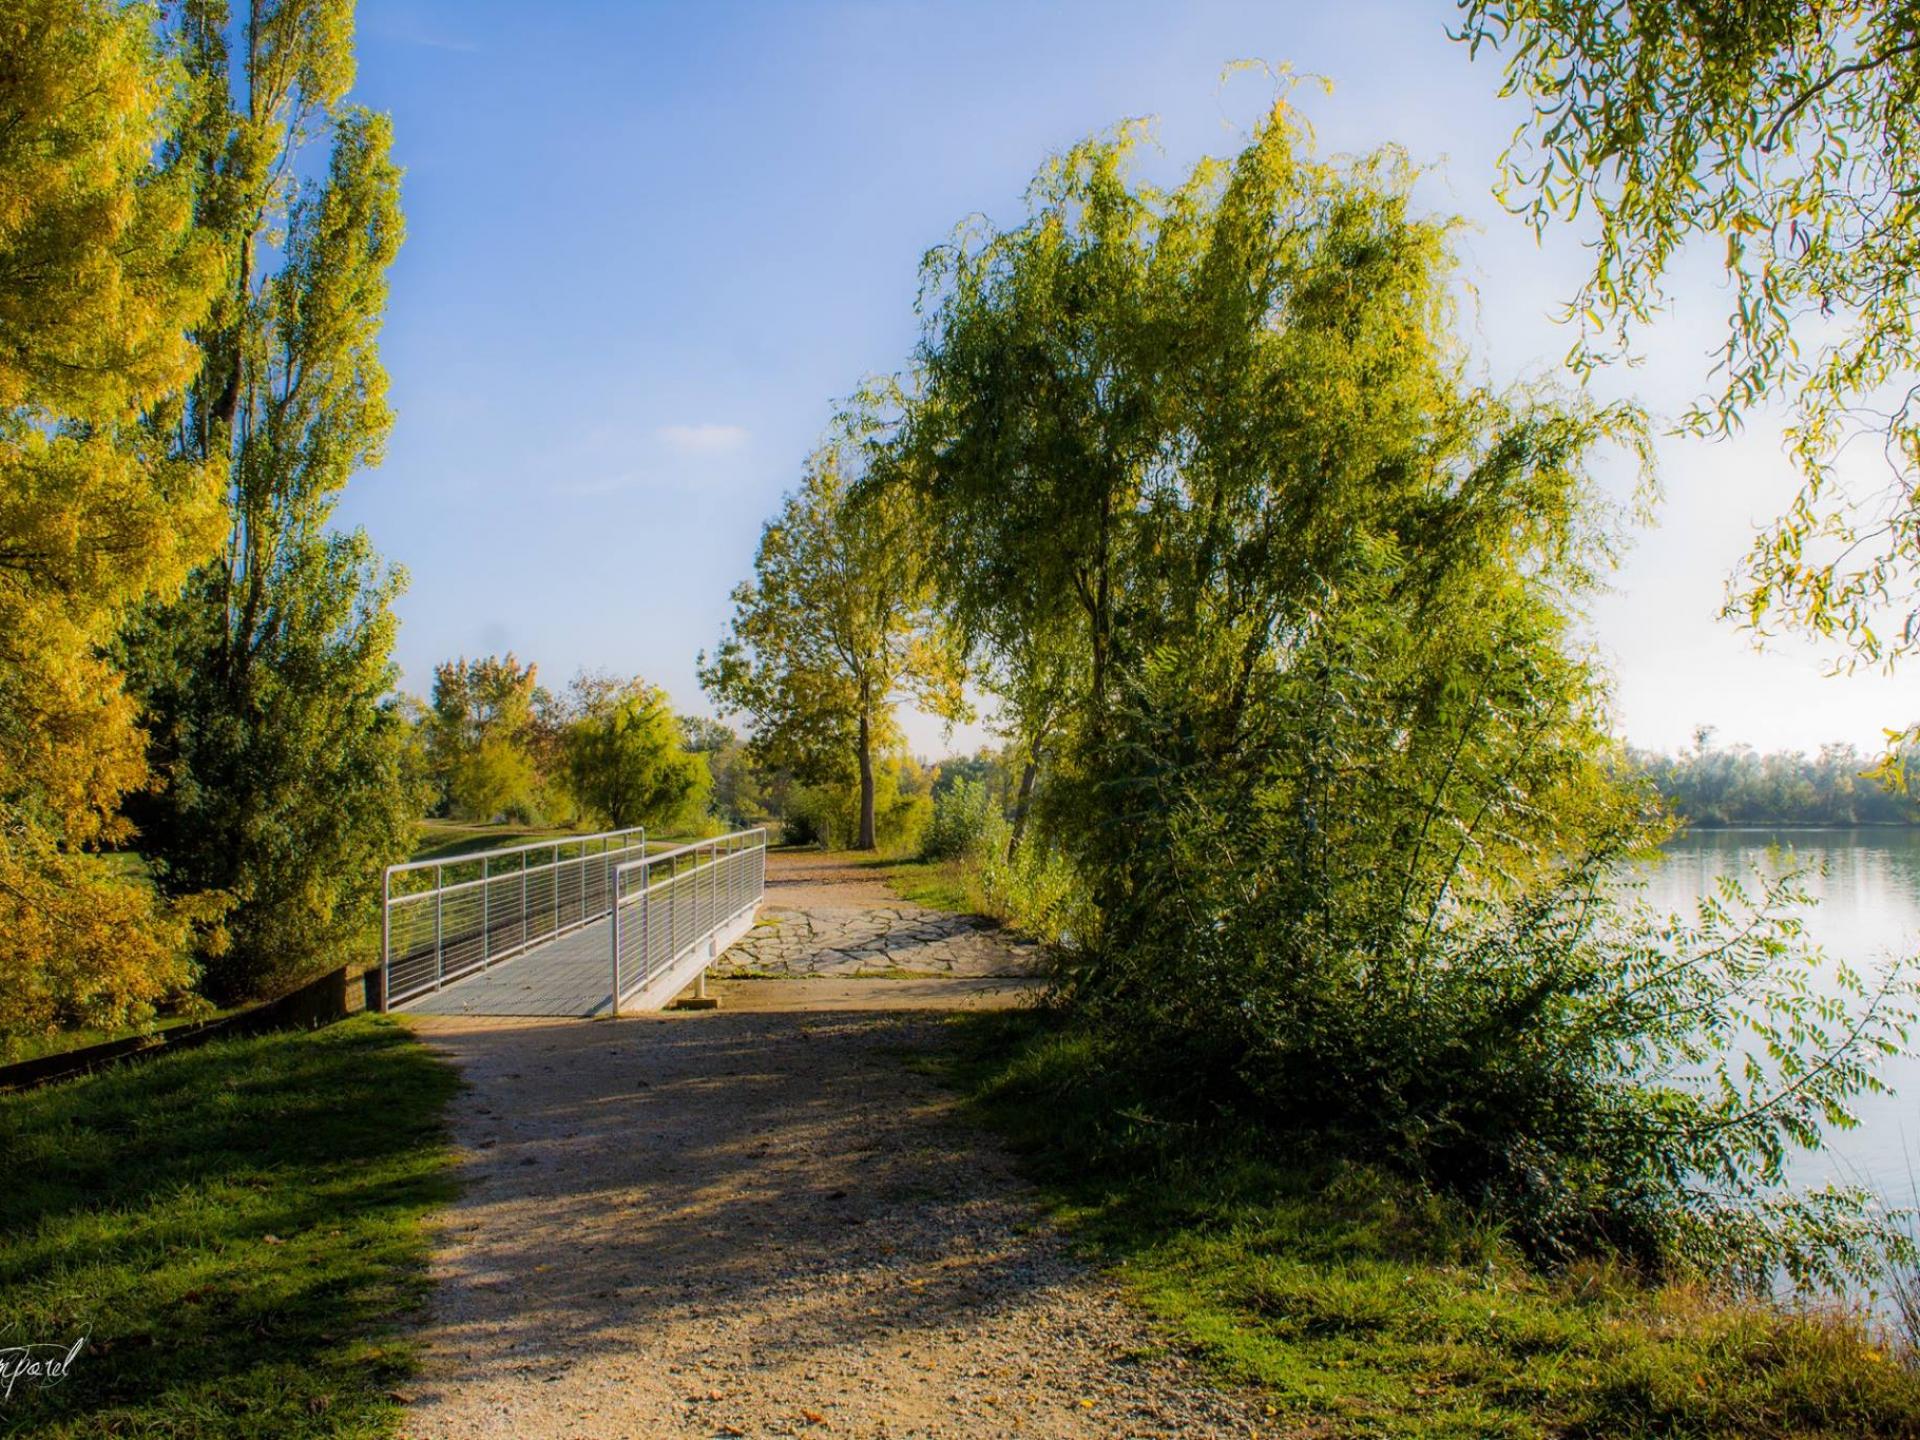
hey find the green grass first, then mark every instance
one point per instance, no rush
(1364, 1308)
(444, 839)
(32, 1047)
(237, 1230)
(936, 884)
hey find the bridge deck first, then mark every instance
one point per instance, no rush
(572, 975)
(672, 914)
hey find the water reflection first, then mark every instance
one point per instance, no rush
(1869, 910)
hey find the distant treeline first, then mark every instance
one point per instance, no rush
(1709, 785)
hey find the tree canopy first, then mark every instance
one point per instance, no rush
(1339, 777)
(627, 763)
(479, 737)
(102, 275)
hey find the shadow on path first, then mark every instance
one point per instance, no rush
(760, 1224)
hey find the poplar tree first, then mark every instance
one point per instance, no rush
(268, 687)
(101, 274)
(480, 736)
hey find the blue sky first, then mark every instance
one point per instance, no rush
(649, 244)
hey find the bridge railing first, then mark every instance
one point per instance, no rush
(670, 905)
(448, 918)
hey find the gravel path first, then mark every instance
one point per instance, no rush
(762, 1224)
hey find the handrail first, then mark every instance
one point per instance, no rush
(646, 862)
(470, 931)
(736, 864)
(691, 845)
(558, 840)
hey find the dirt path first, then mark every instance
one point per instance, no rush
(762, 1224)
(818, 879)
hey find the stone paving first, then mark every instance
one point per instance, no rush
(896, 939)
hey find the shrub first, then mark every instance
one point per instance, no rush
(1037, 890)
(829, 815)
(965, 825)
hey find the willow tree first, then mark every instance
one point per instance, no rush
(626, 756)
(838, 626)
(1783, 139)
(1340, 779)
(267, 687)
(101, 275)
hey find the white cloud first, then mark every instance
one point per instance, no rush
(704, 439)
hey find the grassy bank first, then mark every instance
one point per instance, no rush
(936, 884)
(1367, 1309)
(236, 1230)
(447, 839)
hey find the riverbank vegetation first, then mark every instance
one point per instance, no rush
(1312, 786)
(1711, 785)
(1365, 1304)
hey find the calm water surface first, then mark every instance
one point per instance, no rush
(1869, 910)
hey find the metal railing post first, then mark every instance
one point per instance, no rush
(386, 942)
(439, 925)
(614, 930)
(486, 913)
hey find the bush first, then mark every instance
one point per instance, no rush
(829, 815)
(966, 824)
(1037, 891)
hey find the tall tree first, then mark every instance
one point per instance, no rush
(101, 275)
(1342, 782)
(480, 736)
(1784, 135)
(1039, 416)
(837, 626)
(268, 686)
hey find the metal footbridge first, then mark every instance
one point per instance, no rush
(590, 925)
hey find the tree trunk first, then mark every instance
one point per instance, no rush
(1020, 805)
(866, 840)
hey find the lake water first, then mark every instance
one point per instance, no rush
(1869, 909)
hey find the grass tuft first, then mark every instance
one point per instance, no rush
(237, 1230)
(936, 884)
